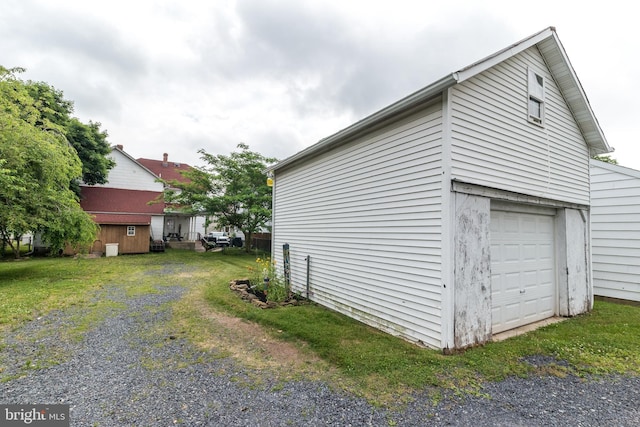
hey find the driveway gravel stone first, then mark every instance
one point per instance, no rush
(125, 370)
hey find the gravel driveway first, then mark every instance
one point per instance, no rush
(124, 371)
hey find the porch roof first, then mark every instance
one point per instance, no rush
(121, 219)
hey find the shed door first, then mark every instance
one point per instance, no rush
(523, 287)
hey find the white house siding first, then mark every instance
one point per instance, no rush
(197, 224)
(130, 175)
(368, 214)
(493, 143)
(157, 226)
(615, 231)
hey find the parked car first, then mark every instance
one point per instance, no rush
(220, 238)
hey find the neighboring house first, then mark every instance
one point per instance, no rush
(455, 213)
(121, 206)
(187, 226)
(615, 230)
(124, 217)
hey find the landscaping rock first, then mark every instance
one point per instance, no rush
(259, 303)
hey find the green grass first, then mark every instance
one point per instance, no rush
(8, 253)
(605, 341)
(31, 287)
(371, 363)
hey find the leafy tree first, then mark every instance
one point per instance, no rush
(37, 167)
(606, 158)
(92, 148)
(89, 141)
(232, 189)
(50, 103)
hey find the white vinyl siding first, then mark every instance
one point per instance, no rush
(615, 231)
(495, 145)
(157, 226)
(369, 216)
(130, 175)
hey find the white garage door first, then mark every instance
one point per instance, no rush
(523, 287)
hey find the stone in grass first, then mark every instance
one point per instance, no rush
(259, 303)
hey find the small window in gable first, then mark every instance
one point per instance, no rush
(536, 97)
(131, 230)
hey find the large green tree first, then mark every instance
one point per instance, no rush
(231, 189)
(89, 140)
(37, 167)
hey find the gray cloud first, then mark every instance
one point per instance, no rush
(87, 58)
(354, 71)
(275, 74)
(85, 40)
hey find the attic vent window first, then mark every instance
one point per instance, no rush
(536, 97)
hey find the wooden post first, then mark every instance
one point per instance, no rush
(287, 266)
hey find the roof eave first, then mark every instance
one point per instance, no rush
(371, 121)
(124, 153)
(551, 48)
(548, 43)
(500, 56)
(624, 170)
(565, 76)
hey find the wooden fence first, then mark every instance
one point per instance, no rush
(261, 241)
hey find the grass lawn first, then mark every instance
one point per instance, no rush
(362, 359)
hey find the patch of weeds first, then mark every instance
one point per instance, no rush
(435, 396)
(142, 289)
(267, 282)
(31, 356)
(92, 315)
(279, 386)
(391, 422)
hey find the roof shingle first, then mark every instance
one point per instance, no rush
(166, 170)
(115, 200)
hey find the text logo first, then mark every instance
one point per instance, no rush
(34, 415)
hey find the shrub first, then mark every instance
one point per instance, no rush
(266, 279)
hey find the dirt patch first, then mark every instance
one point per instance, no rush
(255, 346)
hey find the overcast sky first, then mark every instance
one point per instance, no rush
(176, 76)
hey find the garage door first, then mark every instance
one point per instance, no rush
(523, 287)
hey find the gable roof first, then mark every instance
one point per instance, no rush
(120, 149)
(116, 200)
(167, 171)
(556, 59)
(623, 170)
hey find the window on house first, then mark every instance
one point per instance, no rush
(536, 97)
(131, 230)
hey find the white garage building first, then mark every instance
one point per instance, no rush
(615, 225)
(455, 213)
